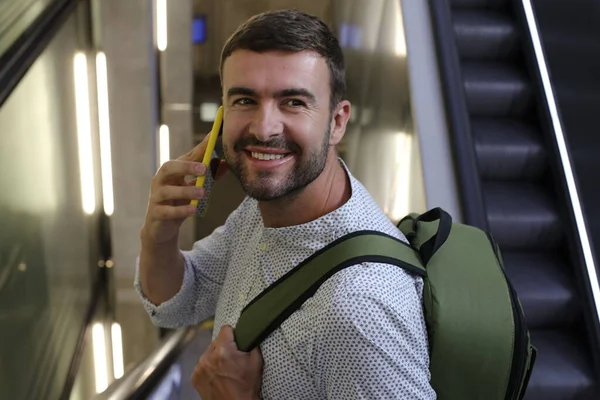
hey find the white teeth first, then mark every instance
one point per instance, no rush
(263, 156)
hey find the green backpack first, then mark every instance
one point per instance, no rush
(480, 346)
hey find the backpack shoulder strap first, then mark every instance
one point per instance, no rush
(276, 303)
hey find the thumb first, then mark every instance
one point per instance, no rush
(226, 334)
(256, 358)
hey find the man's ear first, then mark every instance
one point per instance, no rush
(339, 121)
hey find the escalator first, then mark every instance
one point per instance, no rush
(517, 193)
(510, 175)
(51, 286)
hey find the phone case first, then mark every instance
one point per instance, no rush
(208, 179)
(202, 206)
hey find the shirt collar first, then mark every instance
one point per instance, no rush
(327, 223)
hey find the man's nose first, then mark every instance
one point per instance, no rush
(266, 123)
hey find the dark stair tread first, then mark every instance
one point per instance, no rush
(485, 35)
(563, 369)
(521, 216)
(496, 90)
(545, 288)
(479, 4)
(508, 149)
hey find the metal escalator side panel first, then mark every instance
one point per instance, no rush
(457, 114)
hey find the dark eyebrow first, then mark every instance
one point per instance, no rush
(240, 91)
(297, 92)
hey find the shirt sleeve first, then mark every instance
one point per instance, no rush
(372, 347)
(205, 269)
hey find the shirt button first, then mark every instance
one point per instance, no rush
(241, 298)
(263, 246)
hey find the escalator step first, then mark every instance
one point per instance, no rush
(521, 216)
(508, 149)
(562, 370)
(485, 35)
(496, 90)
(491, 4)
(545, 288)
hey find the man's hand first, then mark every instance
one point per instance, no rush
(225, 373)
(161, 262)
(170, 194)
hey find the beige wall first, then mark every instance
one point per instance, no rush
(127, 29)
(125, 32)
(126, 40)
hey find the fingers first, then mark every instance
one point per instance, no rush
(225, 343)
(178, 168)
(222, 367)
(166, 193)
(170, 195)
(191, 182)
(199, 374)
(172, 202)
(163, 213)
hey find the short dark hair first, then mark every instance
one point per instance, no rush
(291, 30)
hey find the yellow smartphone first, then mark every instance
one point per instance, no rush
(207, 179)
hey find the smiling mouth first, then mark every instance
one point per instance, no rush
(266, 156)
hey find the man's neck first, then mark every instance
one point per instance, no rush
(325, 194)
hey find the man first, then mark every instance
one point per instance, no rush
(362, 335)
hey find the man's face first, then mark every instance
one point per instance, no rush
(276, 132)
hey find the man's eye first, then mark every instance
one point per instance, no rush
(295, 103)
(243, 101)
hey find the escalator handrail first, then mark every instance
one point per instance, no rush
(457, 115)
(20, 56)
(139, 382)
(95, 300)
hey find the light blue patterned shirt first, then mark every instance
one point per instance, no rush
(361, 336)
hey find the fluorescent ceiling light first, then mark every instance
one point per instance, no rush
(104, 125)
(84, 134)
(161, 24)
(117, 348)
(100, 364)
(163, 140)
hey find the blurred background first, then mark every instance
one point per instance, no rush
(487, 108)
